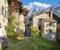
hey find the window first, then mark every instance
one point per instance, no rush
(2, 10)
(5, 13)
(0, 25)
(50, 24)
(50, 30)
(5, 1)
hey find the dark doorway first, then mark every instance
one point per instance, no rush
(40, 26)
(27, 31)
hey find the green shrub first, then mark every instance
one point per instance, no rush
(11, 33)
(34, 32)
(10, 27)
(20, 33)
(5, 47)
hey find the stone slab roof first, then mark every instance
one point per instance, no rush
(56, 11)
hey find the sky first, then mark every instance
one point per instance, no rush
(42, 4)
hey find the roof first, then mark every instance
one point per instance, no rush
(49, 20)
(16, 6)
(24, 11)
(56, 11)
(12, 0)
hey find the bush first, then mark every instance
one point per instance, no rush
(5, 47)
(10, 27)
(20, 35)
(34, 32)
(11, 33)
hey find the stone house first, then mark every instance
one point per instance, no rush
(46, 22)
(16, 9)
(3, 20)
(56, 16)
(3, 16)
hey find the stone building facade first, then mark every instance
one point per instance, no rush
(56, 16)
(16, 9)
(48, 22)
(3, 21)
(3, 16)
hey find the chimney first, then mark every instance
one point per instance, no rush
(51, 13)
(35, 11)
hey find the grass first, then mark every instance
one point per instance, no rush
(5, 47)
(25, 45)
(36, 43)
(44, 44)
(13, 41)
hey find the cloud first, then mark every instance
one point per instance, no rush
(37, 4)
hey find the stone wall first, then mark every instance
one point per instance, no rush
(46, 20)
(58, 31)
(21, 23)
(3, 16)
(50, 32)
(36, 19)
